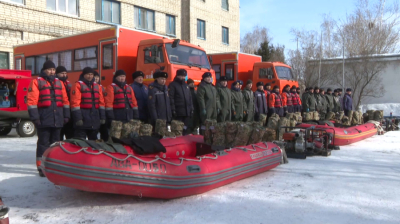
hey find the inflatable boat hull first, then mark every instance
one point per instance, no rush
(68, 165)
(346, 136)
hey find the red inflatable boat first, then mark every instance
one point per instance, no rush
(179, 172)
(346, 136)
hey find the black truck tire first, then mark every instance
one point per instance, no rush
(5, 131)
(26, 128)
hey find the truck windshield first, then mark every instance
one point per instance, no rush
(284, 72)
(187, 56)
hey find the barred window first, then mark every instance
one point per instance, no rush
(85, 57)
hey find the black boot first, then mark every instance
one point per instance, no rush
(41, 174)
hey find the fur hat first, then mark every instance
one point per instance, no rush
(137, 74)
(181, 72)
(206, 74)
(223, 78)
(260, 84)
(160, 75)
(348, 90)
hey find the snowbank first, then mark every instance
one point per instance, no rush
(386, 107)
(357, 184)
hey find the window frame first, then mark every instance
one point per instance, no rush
(102, 12)
(233, 71)
(227, 35)
(18, 61)
(217, 76)
(66, 8)
(46, 55)
(8, 59)
(85, 59)
(112, 56)
(227, 5)
(139, 18)
(168, 18)
(199, 22)
(16, 3)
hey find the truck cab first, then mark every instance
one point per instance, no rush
(169, 55)
(13, 96)
(276, 73)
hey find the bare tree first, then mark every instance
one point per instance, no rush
(251, 41)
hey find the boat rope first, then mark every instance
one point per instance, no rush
(157, 158)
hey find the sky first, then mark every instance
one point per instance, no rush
(280, 16)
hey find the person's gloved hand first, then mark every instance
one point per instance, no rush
(37, 122)
(79, 123)
(174, 114)
(102, 121)
(66, 119)
(204, 112)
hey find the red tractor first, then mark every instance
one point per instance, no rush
(13, 109)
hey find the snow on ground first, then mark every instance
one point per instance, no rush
(357, 184)
(386, 107)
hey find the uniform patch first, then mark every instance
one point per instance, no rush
(30, 89)
(150, 87)
(150, 97)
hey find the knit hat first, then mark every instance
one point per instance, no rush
(316, 88)
(60, 69)
(87, 70)
(249, 82)
(268, 84)
(119, 72)
(276, 87)
(335, 91)
(340, 90)
(189, 81)
(293, 87)
(348, 90)
(137, 74)
(95, 73)
(160, 75)
(181, 72)
(329, 90)
(260, 84)
(223, 78)
(48, 64)
(298, 88)
(286, 86)
(206, 74)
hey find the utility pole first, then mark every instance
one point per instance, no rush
(320, 57)
(343, 64)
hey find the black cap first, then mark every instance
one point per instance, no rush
(315, 88)
(335, 91)
(260, 84)
(240, 82)
(286, 86)
(48, 64)
(293, 87)
(298, 88)
(95, 73)
(340, 90)
(223, 78)
(119, 72)
(249, 82)
(206, 74)
(189, 81)
(137, 74)
(181, 72)
(329, 90)
(268, 84)
(160, 75)
(348, 90)
(60, 69)
(87, 70)
(321, 89)
(276, 87)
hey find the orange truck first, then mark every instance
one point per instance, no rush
(110, 49)
(241, 66)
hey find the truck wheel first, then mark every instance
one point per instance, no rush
(5, 131)
(26, 129)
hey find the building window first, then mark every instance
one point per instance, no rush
(225, 35)
(108, 11)
(201, 29)
(170, 25)
(64, 6)
(30, 64)
(225, 5)
(85, 57)
(18, 64)
(66, 60)
(108, 56)
(4, 60)
(229, 71)
(217, 69)
(265, 73)
(14, 1)
(144, 19)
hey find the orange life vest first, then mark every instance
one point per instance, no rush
(289, 99)
(278, 100)
(45, 96)
(121, 97)
(89, 98)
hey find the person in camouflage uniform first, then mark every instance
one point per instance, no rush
(336, 101)
(195, 119)
(238, 104)
(310, 105)
(225, 100)
(317, 97)
(304, 97)
(323, 104)
(249, 100)
(329, 100)
(207, 98)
